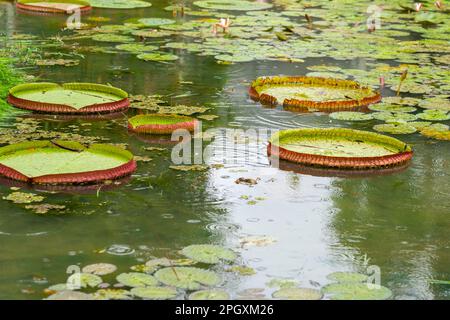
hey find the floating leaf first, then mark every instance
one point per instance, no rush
(44, 208)
(136, 279)
(100, 269)
(356, 291)
(434, 115)
(157, 56)
(119, 4)
(70, 295)
(297, 294)
(136, 47)
(156, 22)
(208, 253)
(233, 5)
(106, 37)
(347, 277)
(350, 116)
(213, 294)
(84, 280)
(187, 277)
(194, 167)
(258, 241)
(242, 270)
(395, 128)
(112, 294)
(391, 116)
(154, 293)
(22, 197)
(391, 108)
(282, 283)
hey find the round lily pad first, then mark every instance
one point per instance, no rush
(154, 293)
(233, 58)
(434, 115)
(156, 22)
(350, 116)
(157, 56)
(312, 93)
(347, 277)
(391, 116)
(391, 108)
(112, 294)
(84, 280)
(100, 269)
(187, 277)
(213, 294)
(161, 123)
(208, 253)
(119, 4)
(338, 148)
(395, 128)
(68, 98)
(136, 47)
(54, 6)
(136, 279)
(437, 131)
(404, 101)
(110, 37)
(436, 103)
(297, 294)
(356, 291)
(70, 295)
(64, 162)
(233, 5)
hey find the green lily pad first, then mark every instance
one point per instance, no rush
(22, 197)
(136, 279)
(233, 58)
(347, 277)
(70, 295)
(156, 22)
(404, 101)
(157, 56)
(233, 5)
(436, 103)
(84, 280)
(242, 270)
(391, 116)
(107, 37)
(187, 277)
(136, 47)
(382, 107)
(297, 294)
(395, 128)
(350, 116)
(419, 125)
(434, 115)
(282, 283)
(437, 131)
(112, 294)
(208, 253)
(100, 269)
(213, 294)
(154, 293)
(356, 291)
(119, 4)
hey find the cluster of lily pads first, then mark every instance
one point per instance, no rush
(191, 278)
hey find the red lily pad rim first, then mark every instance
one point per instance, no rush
(183, 122)
(275, 149)
(306, 105)
(88, 177)
(122, 104)
(26, 5)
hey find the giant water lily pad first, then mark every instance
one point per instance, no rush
(54, 6)
(136, 279)
(312, 93)
(213, 294)
(160, 123)
(208, 253)
(336, 147)
(356, 291)
(234, 5)
(154, 293)
(68, 98)
(187, 277)
(64, 162)
(297, 294)
(119, 4)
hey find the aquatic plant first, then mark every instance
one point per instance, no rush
(187, 277)
(347, 277)
(395, 108)
(356, 291)
(68, 98)
(350, 116)
(160, 123)
(395, 128)
(212, 294)
(338, 147)
(154, 293)
(64, 162)
(312, 93)
(394, 116)
(208, 253)
(100, 269)
(297, 294)
(112, 294)
(157, 57)
(119, 4)
(232, 5)
(70, 295)
(434, 115)
(85, 280)
(54, 6)
(136, 279)
(436, 131)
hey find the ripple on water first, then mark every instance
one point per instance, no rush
(120, 250)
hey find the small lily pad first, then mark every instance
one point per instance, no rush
(297, 294)
(208, 253)
(70, 295)
(112, 294)
(356, 291)
(242, 270)
(119, 4)
(136, 279)
(157, 56)
(154, 293)
(187, 277)
(100, 269)
(394, 116)
(213, 294)
(391, 108)
(434, 115)
(350, 116)
(156, 22)
(395, 128)
(84, 280)
(347, 277)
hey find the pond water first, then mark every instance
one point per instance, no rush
(313, 224)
